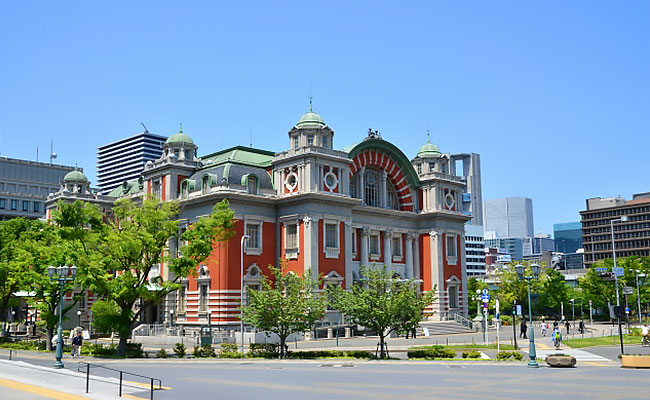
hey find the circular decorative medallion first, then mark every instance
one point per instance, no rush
(331, 181)
(450, 201)
(291, 181)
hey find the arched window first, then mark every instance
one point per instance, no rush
(371, 187)
(391, 196)
(354, 187)
(205, 184)
(252, 184)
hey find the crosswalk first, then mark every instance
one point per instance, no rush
(542, 350)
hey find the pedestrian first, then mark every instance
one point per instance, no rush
(567, 325)
(555, 324)
(77, 341)
(523, 334)
(581, 327)
(543, 326)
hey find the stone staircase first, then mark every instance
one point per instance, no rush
(442, 328)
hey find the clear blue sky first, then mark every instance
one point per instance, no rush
(554, 95)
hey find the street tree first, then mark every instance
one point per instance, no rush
(384, 304)
(288, 303)
(133, 243)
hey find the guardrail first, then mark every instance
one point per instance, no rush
(454, 316)
(82, 364)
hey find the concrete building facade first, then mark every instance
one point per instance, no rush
(631, 238)
(474, 250)
(25, 185)
(510, 217)
(124, 159)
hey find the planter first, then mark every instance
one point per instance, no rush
(561, 360)
(635, 361)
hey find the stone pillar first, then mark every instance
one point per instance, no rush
(365, 233)
(348, 253)
(416, 250)
(388, 252)
(410, 270)
(384, 189)
(361, 183)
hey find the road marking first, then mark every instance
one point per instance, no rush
(130, 396)
(148, 385)
(49, 393)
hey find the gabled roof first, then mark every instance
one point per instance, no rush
(239, 155)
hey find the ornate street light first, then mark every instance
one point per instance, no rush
(531, 331)
(62, 275)
(79, 318)
(244, 239)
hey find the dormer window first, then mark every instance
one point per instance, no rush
(252, 185)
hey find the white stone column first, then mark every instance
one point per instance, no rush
(416, 250)
(348, 253)
(365, 233)
(361, 183)
(410, 271)
(388, 252)
(384, 189)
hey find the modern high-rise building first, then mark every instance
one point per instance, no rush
(542, 243)
(510, 217)
(468, 166)
(124, 159)
(631, 229)
(24, 186)
(474, 250)
(568, 237)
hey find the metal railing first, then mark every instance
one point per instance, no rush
(459, 318)
(150, 330)
(82, 364)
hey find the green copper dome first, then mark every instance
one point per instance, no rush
(179, 137)
(429, 150)
(75, 176)
(310, 119)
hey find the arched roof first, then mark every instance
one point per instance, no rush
(390, 149)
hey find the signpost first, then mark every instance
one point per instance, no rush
(486, 300)
(498, 318)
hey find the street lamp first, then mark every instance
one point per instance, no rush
(171, 319)
(60, 275)
(78, 317)
(531, 346)
(13, 319)
(638, 295)
(573, 311)
(618, 303)
(244, 238)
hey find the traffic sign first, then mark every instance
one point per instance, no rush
(485, 297)
(486, 292)
(618, 271)
(519, 310)
(628, 290)
(601, 269)
(627, 310)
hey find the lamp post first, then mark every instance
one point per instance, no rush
(638, 295)
(531, 346)
(79, 318)
(60, 275)
(171, 319)
(618, 302)
(573, 311)
(244, 239)
(13, 319)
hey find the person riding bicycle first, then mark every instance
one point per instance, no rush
(557, 337)
(645, 333)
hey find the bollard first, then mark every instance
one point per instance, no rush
(447, 341)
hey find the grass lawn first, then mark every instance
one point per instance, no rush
(601, 341)
(460, 346)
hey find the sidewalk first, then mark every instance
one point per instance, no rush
(54, 383)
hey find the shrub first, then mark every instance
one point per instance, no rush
(264, 350)
(471, 354)
(506, 355)
(228, 347)
(203, 351)
(179, 350)
(161, 353)
(506, 320)
(134, 350)
(311, 354)
(197, 352)
(431, 353)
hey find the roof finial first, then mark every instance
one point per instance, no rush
(310, 96)
(428, 136)
(181, 130)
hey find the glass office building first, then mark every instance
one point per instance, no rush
(568, 237)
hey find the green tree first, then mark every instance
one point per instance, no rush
(286, 304)
(474, 285)
(384, 304)
(512, 289)
(14, 268)
(133, 243)
(554, 291)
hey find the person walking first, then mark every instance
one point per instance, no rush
(567, 325)
(523, 334)
(77, 341)
(581, 327)
(543, 326)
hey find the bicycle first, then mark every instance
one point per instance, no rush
(557, 342)
(645, 342)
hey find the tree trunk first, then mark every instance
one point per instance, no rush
(121, 347)
(283, 340)
(381, 346)
(50, 335)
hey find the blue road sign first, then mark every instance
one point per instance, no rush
(601, 269)
(627, 310)
(618, 271)
(485, 297)
(486, 292)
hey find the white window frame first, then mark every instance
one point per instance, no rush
(291, 253)
(452, 259)
(354, 242)
(396, 247)
(332, 252)
(374, 256)
(250, 250)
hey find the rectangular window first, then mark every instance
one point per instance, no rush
(253, 230)
(203, 298)
(181, 299)
(453, 296)
(331, 237)
(310, 140)
(419, 167)
(292, 236)
(324, 141)
(354, 241)
(295, 142)
(397, 245)
(374, 244)
(432, 166)
(156, 189)
(14, 204)
(25, 205)
(37, 206)
(451, 246)
(2, 204)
